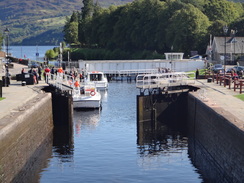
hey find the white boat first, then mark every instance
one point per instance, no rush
(86, 97)
(98, 78)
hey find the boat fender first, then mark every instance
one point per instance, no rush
(93, 93)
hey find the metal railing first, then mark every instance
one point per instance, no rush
(60, 80)
(131, 72)
(161, 80)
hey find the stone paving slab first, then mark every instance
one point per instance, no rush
(17, 95)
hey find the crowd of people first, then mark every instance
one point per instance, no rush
(46, 73)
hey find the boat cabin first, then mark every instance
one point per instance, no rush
(95, 76)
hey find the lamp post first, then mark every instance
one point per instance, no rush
(225, 29)
(171, 58)
(6, 31)
(242, 49)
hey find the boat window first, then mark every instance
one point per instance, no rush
(96, 77)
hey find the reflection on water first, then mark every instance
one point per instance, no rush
(86, 120)
(63, 143)
(155, 142)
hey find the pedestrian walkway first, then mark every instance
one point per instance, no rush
(16, 95)
(216, 95)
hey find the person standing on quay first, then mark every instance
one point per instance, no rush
(46, 73)
(52, 73)
(39, 69)
(197, 73)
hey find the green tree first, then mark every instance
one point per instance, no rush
(145, 24)
(216, 28)
(222, 10)
(196, 3)
(87, 9)
(72, 36)
(51, 54)
(86, 14)
(71, 29)
(187, 29)
(238, 25)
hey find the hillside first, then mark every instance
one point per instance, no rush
(40, 22)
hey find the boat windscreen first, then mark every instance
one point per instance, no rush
(96, 77)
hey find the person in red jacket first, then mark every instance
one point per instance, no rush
(46, 73)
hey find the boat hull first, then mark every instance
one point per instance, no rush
(84, 104)
(89, 102)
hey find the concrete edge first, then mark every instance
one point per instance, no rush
(11, 121)
(232, 118)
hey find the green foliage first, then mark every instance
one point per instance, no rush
(104, 54)
(216, 28)
(222, 10)
(187, 28)
(51, 54)
(71, 29)
(238, 24)
(87, 9)
(155, 26)
(33, 21)
(1, 98)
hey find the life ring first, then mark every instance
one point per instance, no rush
(92, 93)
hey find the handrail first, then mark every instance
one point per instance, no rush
(130, 72)
(163, 80)
(60, 80)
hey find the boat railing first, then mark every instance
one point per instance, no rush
(161, 80)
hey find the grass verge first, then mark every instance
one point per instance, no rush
(240, 96)
(1, 98)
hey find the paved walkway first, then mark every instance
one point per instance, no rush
(17, 95)
(215, 95)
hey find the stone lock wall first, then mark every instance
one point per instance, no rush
(25, 130)
(220, 139)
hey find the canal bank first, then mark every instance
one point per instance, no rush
(214, 118)
(26, 123)
(216, 124)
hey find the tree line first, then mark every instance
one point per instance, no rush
(151, 26)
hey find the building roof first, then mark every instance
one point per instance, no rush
(233, 45)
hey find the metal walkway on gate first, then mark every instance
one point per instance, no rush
(163, 81)
(63, 82)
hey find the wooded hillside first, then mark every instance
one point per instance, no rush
(154, 25)
(41, 21)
